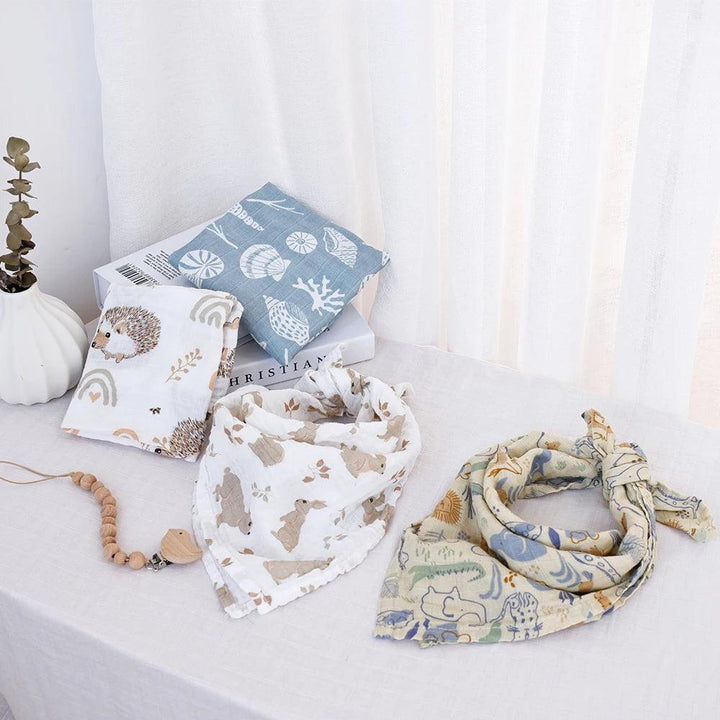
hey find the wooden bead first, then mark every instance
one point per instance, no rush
(86, 481)
(101, 494)
(110, 549)
(108, 514)
(136, 560)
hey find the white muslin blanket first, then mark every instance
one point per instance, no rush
(160, 358)
(287, 499)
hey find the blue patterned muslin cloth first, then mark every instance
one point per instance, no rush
(292, 269)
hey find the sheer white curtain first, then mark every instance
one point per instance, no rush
(545, 175)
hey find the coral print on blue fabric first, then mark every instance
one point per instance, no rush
(292, 269)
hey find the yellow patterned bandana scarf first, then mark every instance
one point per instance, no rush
(475, 572)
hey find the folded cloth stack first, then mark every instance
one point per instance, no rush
(292, 269)
(160, 358)
(287, 499)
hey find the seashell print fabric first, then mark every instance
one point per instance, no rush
(288, 498)
(473, 571)
(160, 358)
(291, 269)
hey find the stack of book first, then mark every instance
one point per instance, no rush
(253, 366)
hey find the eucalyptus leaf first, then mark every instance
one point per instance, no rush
(17, 145)
(20, 232)
(21, 184)
(28, 279)
(19, 275)
(11, 260)
(21, 208)
(20, 161)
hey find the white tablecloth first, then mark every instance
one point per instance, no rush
(81, 639)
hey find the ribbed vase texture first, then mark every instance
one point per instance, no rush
(42, 347)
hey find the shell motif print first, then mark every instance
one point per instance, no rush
(301, 242)
(260, 261)
(288, 320)
(242, 214)
(344, 249)
(199, 265)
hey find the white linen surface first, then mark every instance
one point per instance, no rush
(81, 638)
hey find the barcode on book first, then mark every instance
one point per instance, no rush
(135, 275)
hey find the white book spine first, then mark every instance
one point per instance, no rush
(266, 370)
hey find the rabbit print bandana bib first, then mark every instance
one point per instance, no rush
(289, 498)
(159, 359)
(473, 571)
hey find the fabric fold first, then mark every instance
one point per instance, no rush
(160, 358)
(473, 571)
(289, 496)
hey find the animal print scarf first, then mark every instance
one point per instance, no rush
(160, 358)
(288, 497)
(473, 571)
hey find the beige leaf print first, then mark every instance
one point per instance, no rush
(183, 366)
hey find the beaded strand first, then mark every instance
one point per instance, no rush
(108, 514)
(176, 547)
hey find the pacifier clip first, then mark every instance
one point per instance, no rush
(176, 548)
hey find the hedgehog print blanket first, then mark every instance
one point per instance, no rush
(160, 358)
(473, 571)
(289, 496)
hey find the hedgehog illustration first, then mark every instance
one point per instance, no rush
(124, 332)
(227, 361)
(185, 440)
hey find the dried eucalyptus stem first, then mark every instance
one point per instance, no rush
(17, 274)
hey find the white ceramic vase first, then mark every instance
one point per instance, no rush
(42, 347)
